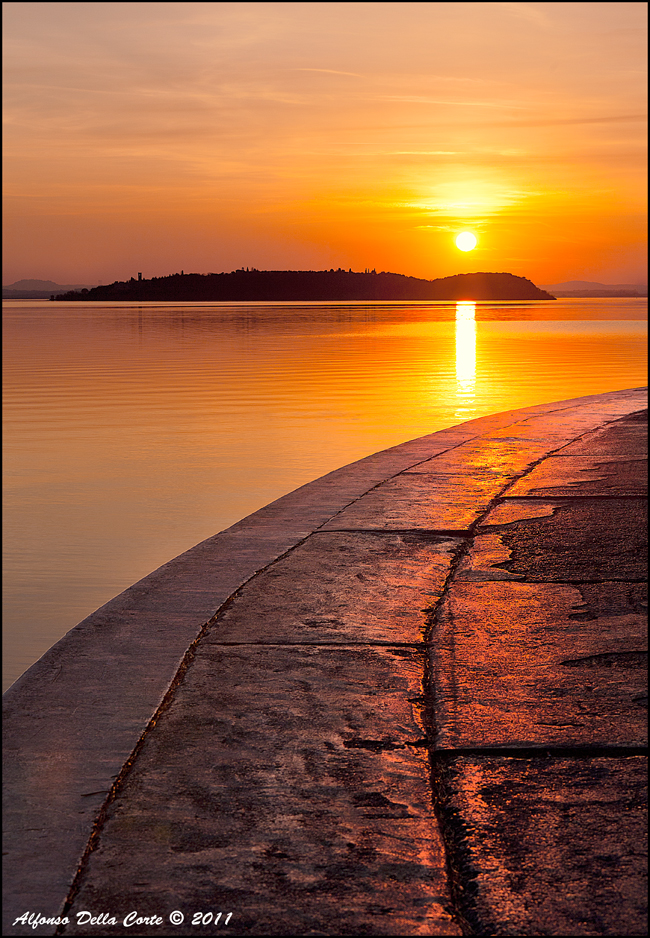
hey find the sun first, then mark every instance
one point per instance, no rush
(466, 241)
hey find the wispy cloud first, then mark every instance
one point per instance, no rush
(423, 153)
(576, 121)
(329, 71)
(530, 12)
(419, 99)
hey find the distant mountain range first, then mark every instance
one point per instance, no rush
(39, 289)
(590, 288)
(307, 285)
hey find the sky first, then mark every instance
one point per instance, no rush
(156, 137)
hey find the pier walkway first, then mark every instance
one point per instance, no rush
(406, 699)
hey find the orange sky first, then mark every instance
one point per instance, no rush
(157, 137)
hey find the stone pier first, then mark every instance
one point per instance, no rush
(408, 698)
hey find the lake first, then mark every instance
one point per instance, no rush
(134, 431)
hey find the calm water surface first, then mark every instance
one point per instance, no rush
(132, 432)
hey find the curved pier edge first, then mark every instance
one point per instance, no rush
(74, 720)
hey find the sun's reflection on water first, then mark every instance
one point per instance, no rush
(465, 360)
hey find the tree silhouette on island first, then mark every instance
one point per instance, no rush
(306, 285)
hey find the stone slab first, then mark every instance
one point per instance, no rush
(548, 846)
(521, 665)
(547, 428)
(342, 588)
(560, 540)
(421, 502)
(609, 599)
(578, 476)
(504, 459)
(628, 435)
(287, 785)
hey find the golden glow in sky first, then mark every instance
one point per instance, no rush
(157, 137)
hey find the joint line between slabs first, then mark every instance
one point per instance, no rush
(429, 690)
(422, 532)
(574, 496)
(378, 644)
(540, 752)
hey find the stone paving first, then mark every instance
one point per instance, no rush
(420, 707)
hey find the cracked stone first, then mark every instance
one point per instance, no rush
(584, 476)
(627, 436)
(421, 501)
(548, 846)
(246, 798)
(583, 539)
(507, 670)
(342, 588)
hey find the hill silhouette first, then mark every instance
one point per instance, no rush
(587, 288)
(38, 289)
(266, 285)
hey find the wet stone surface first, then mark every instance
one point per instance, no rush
(505, 459)
(626, 436)
(584, 476)
(422, 501)
(517, 665)
(583, 539)
(342, 588)
(548, 846)
(541, 643)
(289, 786)
(611, 599)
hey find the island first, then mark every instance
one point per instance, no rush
(308, 285)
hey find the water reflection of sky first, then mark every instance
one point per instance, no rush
(465, 359)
